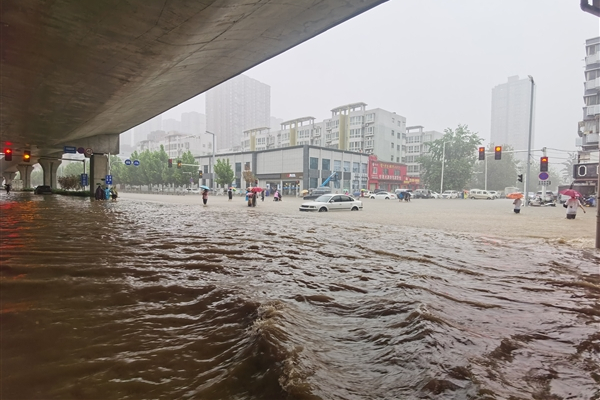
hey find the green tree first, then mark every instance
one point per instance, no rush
(566, 173)
(68, 168)
(224, 172)
(459, 157)
(70, 182)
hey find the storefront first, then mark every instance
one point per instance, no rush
(387, 175)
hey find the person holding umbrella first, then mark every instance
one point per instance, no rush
(572, 205)
(205, 197)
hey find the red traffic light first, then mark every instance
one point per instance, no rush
(8, 153)
(544, 164)
(482, 153)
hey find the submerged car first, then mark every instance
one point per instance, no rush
(43, 189)
(384, 196)
(332, 202)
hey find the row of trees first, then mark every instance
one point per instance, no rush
(463, 170)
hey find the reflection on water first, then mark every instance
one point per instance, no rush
(133, 300)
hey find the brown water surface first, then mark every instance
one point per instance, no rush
(159, 297)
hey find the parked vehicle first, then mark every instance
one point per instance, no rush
(494, 194)
(481, 194)
(421, 194)
(384, 196)
(450, 194)
(332, 202)
(43, 189)
(435, 195)
(318, 192)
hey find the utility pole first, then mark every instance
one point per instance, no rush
(529, 143)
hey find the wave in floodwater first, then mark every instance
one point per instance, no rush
(132, 300)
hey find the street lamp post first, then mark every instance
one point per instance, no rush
(443, 162)
(213, 160)
(529, 143)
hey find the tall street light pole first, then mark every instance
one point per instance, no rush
(213, 161)
(443, 162)
(529, 143)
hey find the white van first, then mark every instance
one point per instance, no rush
(481, 194)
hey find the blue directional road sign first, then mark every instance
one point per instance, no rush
(108, 179)
(543, 176)
(70, 149)
(128, 162)
(84, 179)
(136, 163)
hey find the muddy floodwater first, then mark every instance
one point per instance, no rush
(158, 297)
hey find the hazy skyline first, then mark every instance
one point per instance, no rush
(436, 63)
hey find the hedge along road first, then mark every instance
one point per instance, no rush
(490, 218)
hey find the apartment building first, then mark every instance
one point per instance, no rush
(351, 127)
(586, 170)
(417, 139)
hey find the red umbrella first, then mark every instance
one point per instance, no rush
(515, 195)
(570, 192)
(256, 189)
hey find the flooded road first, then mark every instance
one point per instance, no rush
(159, 297)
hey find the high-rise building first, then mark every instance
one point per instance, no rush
(234, 106)
(142, 131)
(586, 170)
(511, 104)
(193, 123)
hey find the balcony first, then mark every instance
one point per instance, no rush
(591, 139)
(593, 84)
(594, 58)
(592, 110)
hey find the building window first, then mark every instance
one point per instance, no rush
(363, 168)
(386, 171)
(314, 163)
(398, 147)
(392, 159)
(397, 159)
(355, 167)
(393, 134)
(392, 145)
(337, 165)
(326, 164)
(374, 170)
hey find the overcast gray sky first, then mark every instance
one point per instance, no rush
(435, 62)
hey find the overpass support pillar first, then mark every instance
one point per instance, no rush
(25, 172)
(98, 171)
(50, 167)
(8, 176)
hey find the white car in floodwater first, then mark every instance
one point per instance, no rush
(332, 202)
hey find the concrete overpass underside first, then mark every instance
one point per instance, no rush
(81, 72)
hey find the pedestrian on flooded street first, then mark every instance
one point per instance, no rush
(230, 194)
(99, 194)
(113, 193)
(572, 205)
(517, 203)
(262, 195)
(205, 197)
